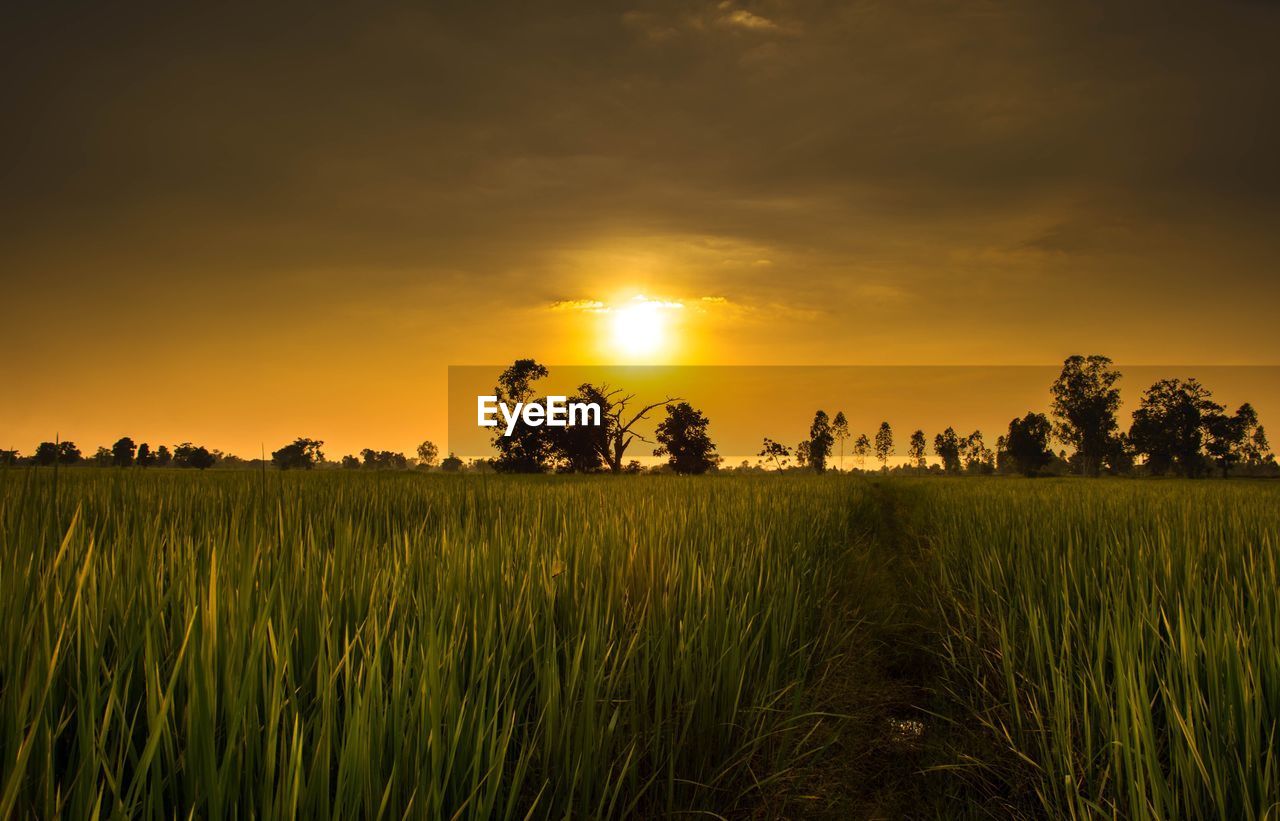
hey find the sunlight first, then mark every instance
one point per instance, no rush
(639, 328)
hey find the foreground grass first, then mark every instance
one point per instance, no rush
(403, 645)
(1120, 639)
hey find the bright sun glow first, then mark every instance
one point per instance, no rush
(640, 326)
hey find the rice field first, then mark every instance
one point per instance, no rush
(402, 645)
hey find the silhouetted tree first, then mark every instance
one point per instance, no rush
(618, 430)
(862, 449)
(102, 456)
(579, 448)
(383, 459)
(529, 448)
(1028, 443)
(9, 458)
(820, 441)
(301, 454)
(145, 457)
(1170, 424)
(916, 449)
(946, 446)
(978, 458)
(451, 464)
(163, 457)
(350, 462)
(1259, 448)
(188, 455)
(427, 454)
(776, 451)
(122, 452)
(1230, 438)
(63, 453)
(802, 453)
(683, 439)
(1085, 402)
(884, 445)
(840, 430)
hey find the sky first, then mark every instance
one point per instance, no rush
(238, 225)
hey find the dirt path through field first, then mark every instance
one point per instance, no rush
(882, 757)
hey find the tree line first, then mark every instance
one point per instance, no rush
(1177, 428)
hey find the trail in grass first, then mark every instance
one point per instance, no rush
(891, 753)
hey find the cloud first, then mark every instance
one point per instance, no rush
(743, 19)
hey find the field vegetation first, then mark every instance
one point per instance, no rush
(414, 645)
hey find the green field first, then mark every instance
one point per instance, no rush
(409, 645)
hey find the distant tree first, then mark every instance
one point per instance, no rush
(820, 441)
(1028, 443)
(683, 439)
(802, 453)
(1230, 439)
(862, 449)
(1170, 426)
(451, 464)
(916, 449)
(946, 446)
(188, 455)
(427, 454)
(350, 462)
(776, 451)
(122, 452)
(840, 430)
(102, 457)
(1259, 448)
(884, 445)
(301, 454)
(978, 458)
(163, 457)
(1085, 401)
(9, 458)
(633, 468)
(62, 453)
(383, 459)
(145, 457)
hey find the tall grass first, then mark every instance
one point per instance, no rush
(1121, 639)
(399, 645)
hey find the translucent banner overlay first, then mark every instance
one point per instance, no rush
(747, 403)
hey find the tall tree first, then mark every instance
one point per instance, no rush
(683, 439)
(916, 449)
(1259, 447)
(528, 449)
(946, 446)
(1170, 425)
(122, 452)
(1028, 443)
(820, 441)
(9, 457)
(427, 454)
(802, 453)
(862, 449)
(840, 430)
(884, 445)
(145, 457)
(1085, 401)
(163, 457)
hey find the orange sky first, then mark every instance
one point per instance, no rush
(237, 226)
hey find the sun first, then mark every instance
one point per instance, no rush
(640, 327)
